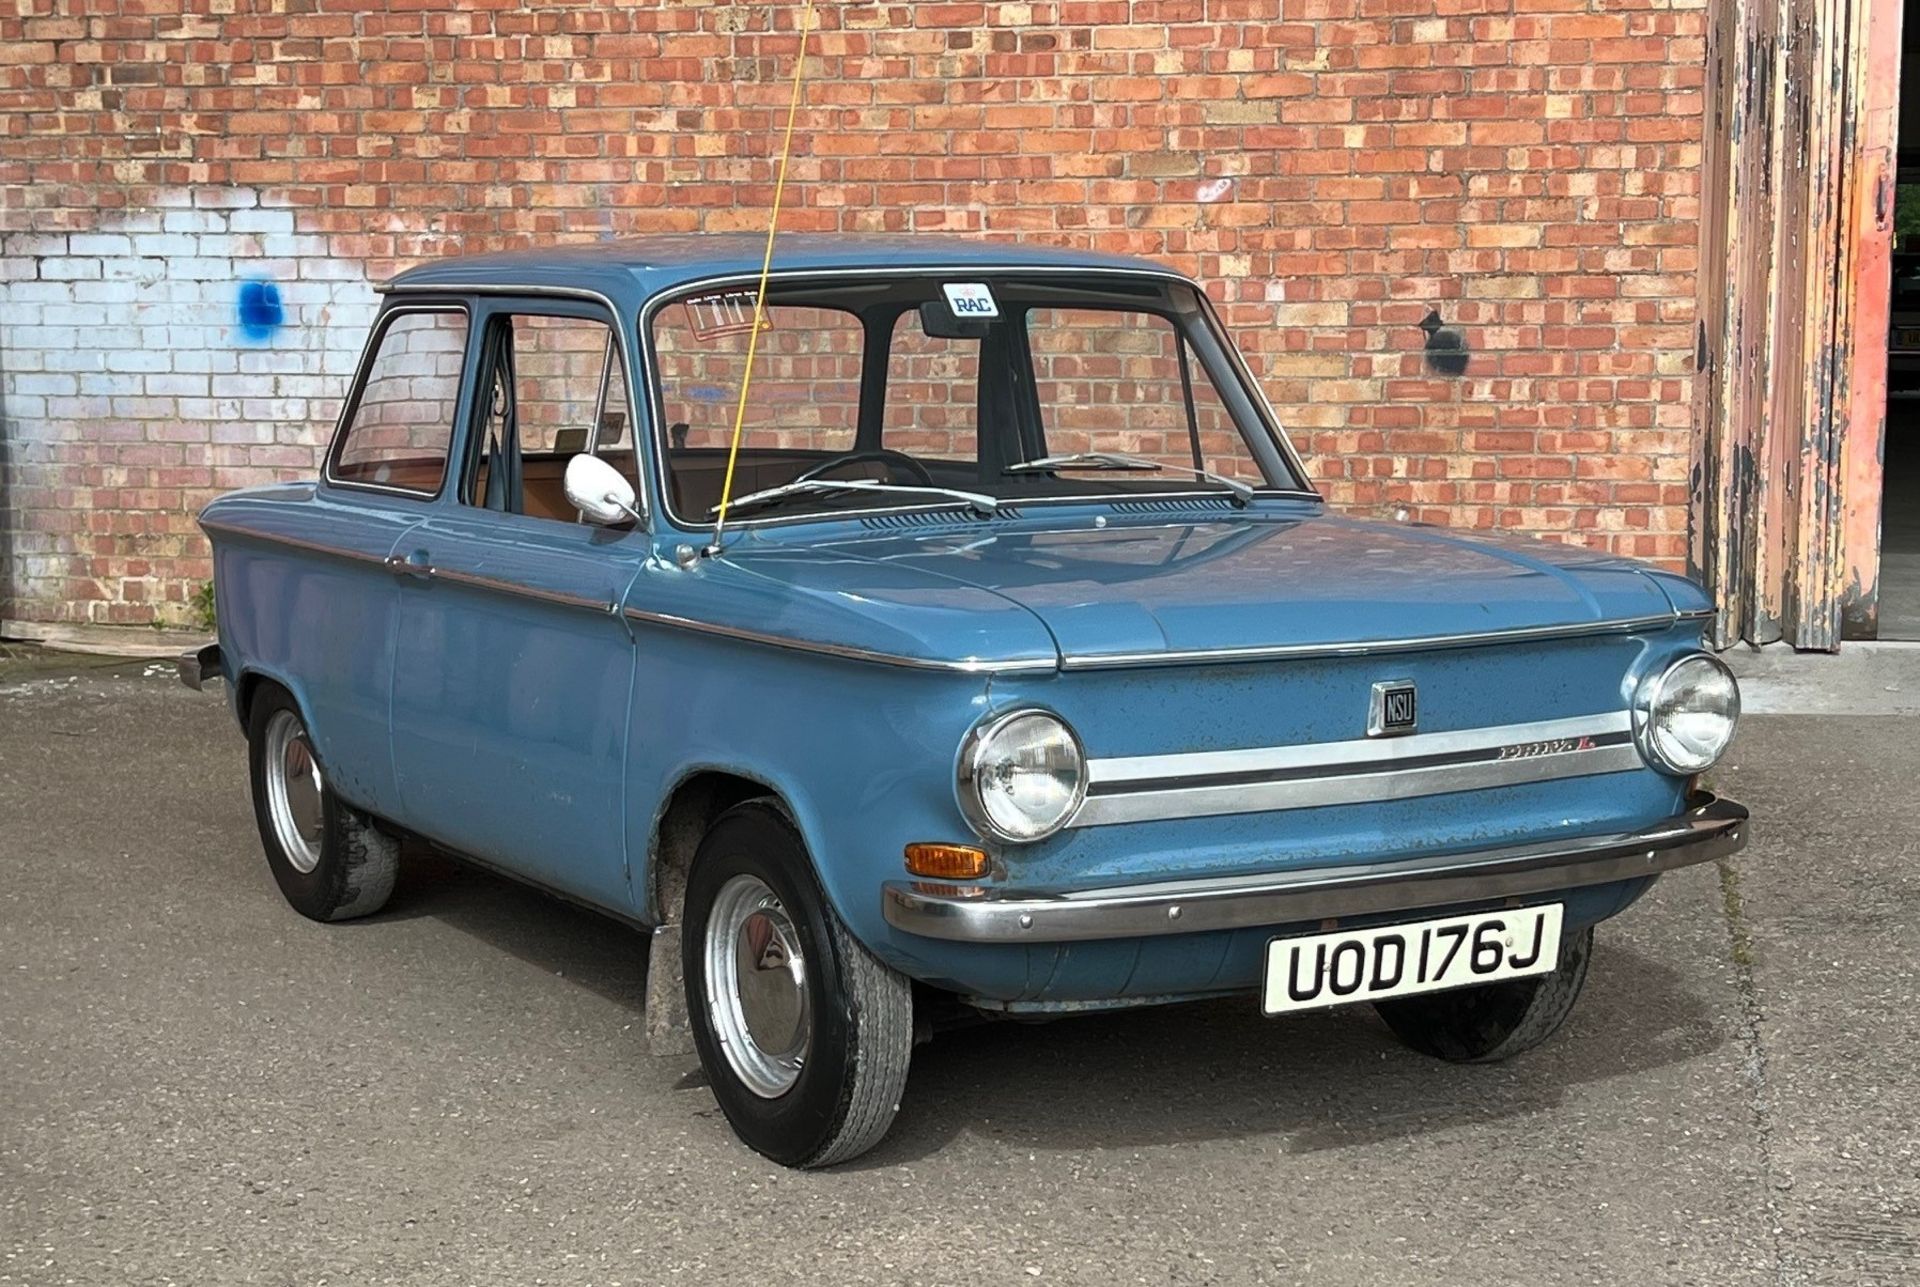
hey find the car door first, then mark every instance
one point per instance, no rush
(323, 604)
(513, 667)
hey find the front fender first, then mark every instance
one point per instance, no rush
(861, 754)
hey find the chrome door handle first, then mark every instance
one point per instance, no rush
(401, 566)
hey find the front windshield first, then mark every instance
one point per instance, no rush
(953, 390)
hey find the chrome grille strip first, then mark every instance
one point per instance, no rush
(1210, 783)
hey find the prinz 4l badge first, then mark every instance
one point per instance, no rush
(1394, 710)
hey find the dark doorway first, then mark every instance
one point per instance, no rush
(1900, 521)
(1900, 478)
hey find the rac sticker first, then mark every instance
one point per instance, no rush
(970, 299)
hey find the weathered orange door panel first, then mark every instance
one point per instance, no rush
(1872, 280)
(1791, 395)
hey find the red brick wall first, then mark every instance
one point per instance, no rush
(1333, 169)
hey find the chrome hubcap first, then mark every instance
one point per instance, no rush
(294, 787)
(756, 987)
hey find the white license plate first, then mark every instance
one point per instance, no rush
(1345, 966)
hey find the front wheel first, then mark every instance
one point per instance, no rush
(1494, 1021)
(329, 859)
(804, 1034)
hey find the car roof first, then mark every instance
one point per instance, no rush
(649, 265)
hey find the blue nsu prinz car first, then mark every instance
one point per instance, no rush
(1029, 672)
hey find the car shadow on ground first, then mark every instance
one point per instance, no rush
(560, 938)
(1143, 1078)
(1327, 1080)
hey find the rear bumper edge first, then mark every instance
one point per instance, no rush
(198, 665)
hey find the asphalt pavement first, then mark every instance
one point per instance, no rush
(197, 1086)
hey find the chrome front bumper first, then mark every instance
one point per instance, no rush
(1710, 828)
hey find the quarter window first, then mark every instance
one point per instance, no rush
(401, 429)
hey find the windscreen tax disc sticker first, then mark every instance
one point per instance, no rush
(727, 313)
(970, 299)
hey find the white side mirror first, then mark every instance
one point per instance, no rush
(599, 491)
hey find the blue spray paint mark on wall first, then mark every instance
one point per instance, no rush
(261, 313)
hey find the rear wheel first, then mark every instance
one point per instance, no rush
(329, 859)
(804, 1034)
(1495, 1021)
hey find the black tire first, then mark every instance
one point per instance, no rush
(1494, 1021)
(859, 1012)
(353, 871)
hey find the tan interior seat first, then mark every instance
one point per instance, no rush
(543, 483)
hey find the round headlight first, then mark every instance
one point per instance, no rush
(1684, 716)
(1022, 775)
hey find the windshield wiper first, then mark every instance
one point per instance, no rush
(978, 503)
(1242, 493)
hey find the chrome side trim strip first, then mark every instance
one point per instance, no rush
(962, 666)
(401, 567)
(605, 607)
(292, 542)
(1016, 665)
(1710, 828)
(1368, 647)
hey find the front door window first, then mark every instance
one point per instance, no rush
(556, 388)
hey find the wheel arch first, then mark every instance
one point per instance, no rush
(247, 687)
(253, 680)
(687, 811)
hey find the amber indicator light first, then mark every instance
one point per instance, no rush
(946, 862)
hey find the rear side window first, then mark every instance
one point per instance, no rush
(401, 429)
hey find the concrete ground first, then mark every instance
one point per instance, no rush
(197, 1086)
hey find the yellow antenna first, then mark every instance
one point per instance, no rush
(766, 267)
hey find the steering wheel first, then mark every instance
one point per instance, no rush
(885, 455)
